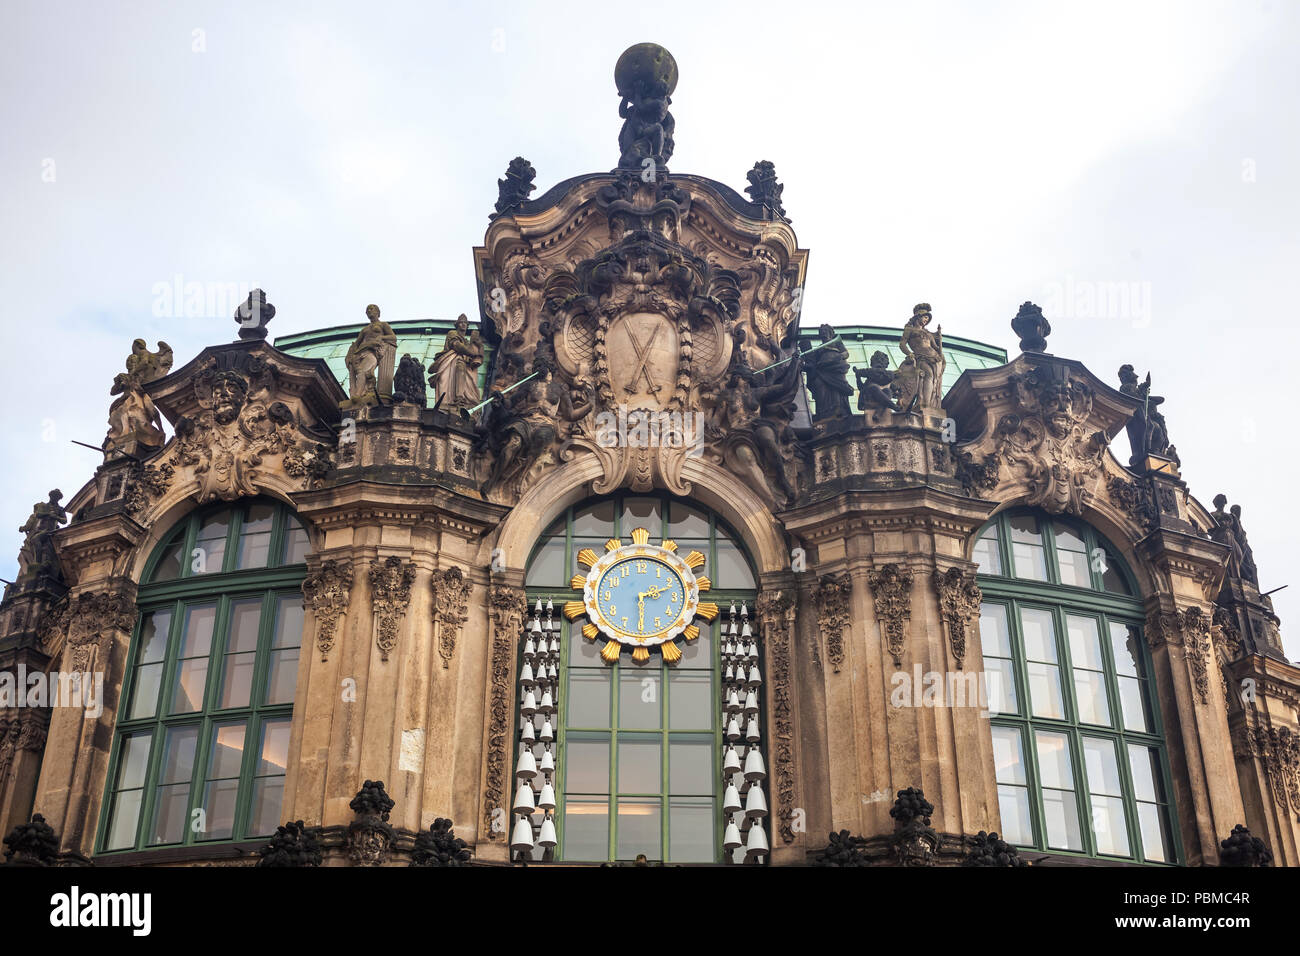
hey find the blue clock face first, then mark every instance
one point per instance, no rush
(641, 597)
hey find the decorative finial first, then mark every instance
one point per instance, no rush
(645, 76)
(512, 192)
(1032, 328)
(763, 188)
(253, 315)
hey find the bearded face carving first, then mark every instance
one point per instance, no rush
(229, 391)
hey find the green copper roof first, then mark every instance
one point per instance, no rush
(423, 339)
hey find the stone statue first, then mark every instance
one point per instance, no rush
(1032, 328)
(763, 188)
(826, 368)
(1228, 530)
(370, 362)
(527, 424)
(645, 75)
(512, 192)
(408, 382)
(1248, 569)
(875, 385)
(134, 425)
(36, 557)
(253, 315)
(1147, 434)
(920, 377)
(455, 369)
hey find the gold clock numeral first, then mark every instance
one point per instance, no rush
(659, 570)
(613, 580)
(625, 569)
(609, 595)
(640, 567)
(613, 610)
(625, 623)
(657, 624)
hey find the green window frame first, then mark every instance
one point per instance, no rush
(1079, 749)
(201, 743)
(639, 749)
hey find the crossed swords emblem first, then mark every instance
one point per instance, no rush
(643, 359)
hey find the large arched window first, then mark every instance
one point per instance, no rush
(1077, 741)
(203, 728)
(640, 746)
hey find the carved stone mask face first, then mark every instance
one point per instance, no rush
(228, 394)
(1059, 418)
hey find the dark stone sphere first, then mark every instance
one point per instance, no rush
(648, 67)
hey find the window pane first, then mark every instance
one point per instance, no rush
(1112, 579)
(197, 640)
(1067, 539)
(1054, 761)
(132, 763)
(171, 563)
(594, 521)
(241, 656)
(1060, 811)
(255, 536)
(297, 545)
(123, 820)
(640, 764)
(1153, 823)
(686, 522)
(210, 546)
(1045, 690)
(264, 810)
(1027, 551)
(274, 756)
(1144, 766)
(585, 763)
(1090, 696)
(224, 763)
(148, 677)
(192, 670)
(1040, 634)
(547, 566)
(1074, 569)
(153, 636)
(172, 795)
(1008, 759)
(588, 704)
(690, 830)
(993, 630)
(282, 676)
(690, 699)
(1108, 825)
(699, 652)
(639, 830)
(641, 513)
(1000, 685)
(986, 554)
(1132, 699)
(639, 699)
(732, 570)
(1124, 644)
(1017, 825)
(690, 764)
(1103, 770)
(288, 621)
(1085, 642)
(236, 681)
(586, 829)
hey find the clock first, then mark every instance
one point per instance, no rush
(642, 595)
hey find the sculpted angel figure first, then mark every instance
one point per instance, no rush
(527, 423)
(370, 360)
(920, 376)
(455, 369)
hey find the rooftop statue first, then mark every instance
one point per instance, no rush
(646, 75)
(876, 386)
(1032, 328)
(826, 367)
(253, 315)
(408, 382)
(370, 362)
(455, 369)
(512, 192)
(920, 376)
(134, 425)
(763, 188)
(1147, 434)
(37, 556)
(1228, 530)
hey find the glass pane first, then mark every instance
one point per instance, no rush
(1085, 642)
(1029, 561)
(297, 545)
(690, 765)
(1061, 816)
(1112, 579)
(1074, 568)
(227, 751)
(690, 830)
(638, 830)
(593, 521)
(1008, 759)
(144, 702)
(993, 630)
(1024, 530)
(288, 621)
(241, 656)
(153, 636)
(1109, 826)
(274, 757)
(1039, 633)
(1155, 833)
(264, 811)
(1000, 685)
(585, 763)
(191, 680)
(686, 522)
(690, 700)
(255, 536)
(218, 819)
(282, 676)
(197, 639)
(641, 513)
(171, 563)
(640, 764)
(1103, 769)
(133, 760)
(222, 791)
(1067, 539)
(1124, 644)
(237, 681)
(1133, 705)
(1144, 766)
(588, 703)
(210, 547)
(640, 695)
(172, 797)
(123, 819)
(699, 652)
(1017, 825)
(1090, 695)
(1045, 690)
(732, 570)
(582, 652)
(1054, 761)
(985, 553)
(586, 829)
(547, 566)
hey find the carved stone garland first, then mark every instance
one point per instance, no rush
(891, 586)
(390, 593)
(450, 602)
(508, 607)
(833, 615)
(326, 590)
(1188, 629)
(959, 605)
(86, 621)
(776, 614)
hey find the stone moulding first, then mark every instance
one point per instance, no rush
(84, 622)
(390, 593)
(959, 606)
(891, 587)
(450, 603)
(776, 616)
(327, 590)
(1189, 630)
(833, 615)
(508, 606)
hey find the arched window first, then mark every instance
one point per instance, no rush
(1077, 741)
(202, 734)
(640, 746)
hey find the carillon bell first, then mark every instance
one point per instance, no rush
(751, 702)
(731, 800)
(731, 762)
(755, 678)
(755, 769)
(546, 801)
(537, 625)
(731, 837)
(755, 803)
(733, 701)
(547, 733)
(526, 675)
(521, 841)
(756, 845)
(752, 733)
(527, 767)
(529, 734)
(529, 706)
(733, 729)
(547, 706)
(546, 837)
(548, 762)
(524, 799)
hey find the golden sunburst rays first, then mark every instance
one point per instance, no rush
(613, 648)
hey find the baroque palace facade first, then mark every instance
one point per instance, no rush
(632, 566)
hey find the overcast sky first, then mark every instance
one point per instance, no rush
(1131, 167)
